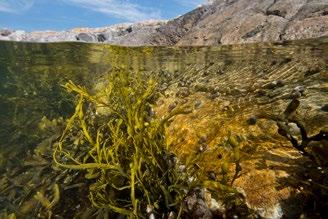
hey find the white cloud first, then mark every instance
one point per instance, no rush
(15, 6)
(119, 8)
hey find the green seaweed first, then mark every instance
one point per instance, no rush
(125, 155)
(113, 151)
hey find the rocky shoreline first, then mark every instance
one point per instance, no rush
(116, 34)
(221, 22)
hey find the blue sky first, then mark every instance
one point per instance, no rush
(33, 15)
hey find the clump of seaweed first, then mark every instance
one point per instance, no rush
(121, 146)
(113, 152)
(124, 152)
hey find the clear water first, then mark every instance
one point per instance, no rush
(32, 76)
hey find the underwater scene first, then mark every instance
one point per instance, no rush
(100, 131)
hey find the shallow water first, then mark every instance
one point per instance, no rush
(32, 76)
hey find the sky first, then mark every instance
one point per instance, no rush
(32, 15)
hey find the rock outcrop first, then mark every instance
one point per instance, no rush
(220, 22)
(121, 34)
(243, 21)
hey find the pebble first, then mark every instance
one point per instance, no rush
(151, 112)
(172, 215)
(297, 92)
(160, 102)
(296, 95)
(252, 120)
(202, 139)
(216, 90)
(275, 84)
(181, 84)
(198, 104)
(164, 87)
(219, 71)
(280, 83)
(212, 175)
(172, 106)
(149, 209)
(215, 95)
(183, 92)
(300, 89)
(182, 168)
(191, 179)
(202, 148)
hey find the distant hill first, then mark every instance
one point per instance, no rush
(221, 22)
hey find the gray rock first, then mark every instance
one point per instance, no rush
(86, 37)
(252, 120)
(5, 32)
(102, 37)
(244, 21)
(201, 210)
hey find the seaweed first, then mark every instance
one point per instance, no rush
(125, 155)
(113, 151)
(122, 149)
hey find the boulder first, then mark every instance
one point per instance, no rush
(86, 37)
(5, 32)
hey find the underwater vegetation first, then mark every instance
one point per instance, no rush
(29, 90)
(189, 132)
(113, 149)
(124, 153)
(25, 98)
